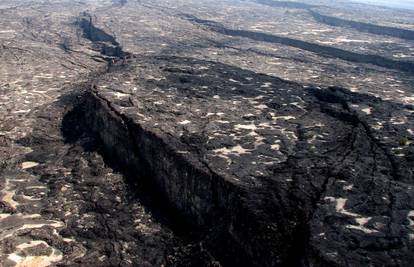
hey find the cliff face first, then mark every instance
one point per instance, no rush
(138, 134)
(325, 51)
(103, 42)
(364, 27)
(286, 173)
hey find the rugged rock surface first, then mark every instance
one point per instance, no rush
(134, 135)
(290, 173)
(69, 207)
(365, 27)
(326, 51)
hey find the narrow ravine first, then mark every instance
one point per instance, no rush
(344, 23)
(286, 4)
(105, 219)
(325, 51)
(292, 197)
(363, 26)
(178, 161)
(62, 203)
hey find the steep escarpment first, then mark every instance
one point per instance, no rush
(326, 51)
(105, 43)
(338, 22)
(260, 171)
(273, 168)
(117, 159)
(63, 203)
(363, 26)
(286, 4)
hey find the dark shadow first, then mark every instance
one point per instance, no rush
(321, 50)
(202, 241)
(286, 4)
(338, 22)
(333, 104)
(76, 130)
(363, 26)
(104, 42)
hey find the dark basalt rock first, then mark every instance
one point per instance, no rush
(286, 4)
(105, 43)
(115, 159)
(287, 174)
(338, 22)
(327, 51)
(93, 33)
(364, 27)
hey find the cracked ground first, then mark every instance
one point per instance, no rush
(206, 133)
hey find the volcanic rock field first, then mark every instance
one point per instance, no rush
(206, 133)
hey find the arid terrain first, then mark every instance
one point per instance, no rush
(206, 133)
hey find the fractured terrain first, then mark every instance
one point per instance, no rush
(134, 135)
(311, 47)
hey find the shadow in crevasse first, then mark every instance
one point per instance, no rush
(69, 156)
(190, 244)
(335, 106)
(76, 130)
(183, 74)
(325, 51)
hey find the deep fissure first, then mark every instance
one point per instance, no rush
(325, 51)
(130, 148)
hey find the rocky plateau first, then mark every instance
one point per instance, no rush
(206, 133)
